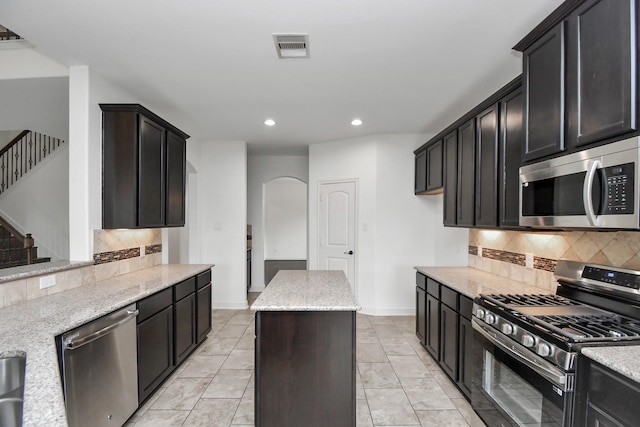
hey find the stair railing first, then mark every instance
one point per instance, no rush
(27, 251)
(22, 154)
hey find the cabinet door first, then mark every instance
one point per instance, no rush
(421, 314)
(604, 397)
(465, 356)
(151, 178)
(601, 43)
(204, 312)
(432, 338)
(155, 352)
(544, 81)
(434, 166)
(450, 145)
(420, 181)
(487, 168)
(511, 142)
(185, 321)
(449, 341)
(176, 173)
(466, 174)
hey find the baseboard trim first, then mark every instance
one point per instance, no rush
(375, 311)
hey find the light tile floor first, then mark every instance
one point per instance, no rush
(398, 383)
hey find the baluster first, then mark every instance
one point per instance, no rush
(30, 150)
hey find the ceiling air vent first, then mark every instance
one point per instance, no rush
(292, 45)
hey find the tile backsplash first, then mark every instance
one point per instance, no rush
(505, 252)
(115, 252)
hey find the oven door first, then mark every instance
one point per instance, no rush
(512, 388)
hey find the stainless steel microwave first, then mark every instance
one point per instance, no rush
(595, 188)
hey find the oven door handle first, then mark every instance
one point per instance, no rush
(548, 371)
(587, 187)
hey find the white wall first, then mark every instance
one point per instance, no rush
(19, 61)
(285, 219)
(397, 230)
(38, 203)
(261, 169)
(222, 217)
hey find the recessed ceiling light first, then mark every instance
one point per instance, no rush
(270, 122)
(356, 122)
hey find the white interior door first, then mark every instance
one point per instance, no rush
(337, 228)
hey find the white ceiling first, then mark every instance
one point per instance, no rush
(210, 66)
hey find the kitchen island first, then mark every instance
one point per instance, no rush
(305, 353)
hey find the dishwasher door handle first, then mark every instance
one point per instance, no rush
(74, 343)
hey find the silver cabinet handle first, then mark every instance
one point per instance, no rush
(79, 342)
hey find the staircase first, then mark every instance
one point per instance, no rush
(16, 249)
(17, 158)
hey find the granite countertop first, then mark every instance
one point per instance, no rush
(25, 271)
(473, 282)
(307, 290)
(31, 327)
(622, 359)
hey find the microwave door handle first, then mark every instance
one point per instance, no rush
(586, 192)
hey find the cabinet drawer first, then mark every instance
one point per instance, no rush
(184, 288)
(421, 281)
(433, 288)
(466, 306)
(203, 279)
(154, 304)
(449, 297)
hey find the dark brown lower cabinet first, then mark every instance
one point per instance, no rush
(432, 339)
(185, 318)
(465, 359)
(203, 309)
(449, 341)
(155, 351)
(448, 336)
(604, 398)
(305, 364)
(421, 313)
(171, 323)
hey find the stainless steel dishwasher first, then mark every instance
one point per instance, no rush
(99, 364)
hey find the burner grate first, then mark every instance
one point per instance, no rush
(533, 300)
(597, 326)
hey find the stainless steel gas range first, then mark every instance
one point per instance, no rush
(525, 346)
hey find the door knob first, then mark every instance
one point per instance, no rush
(349, 253)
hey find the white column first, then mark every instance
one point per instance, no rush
(80, 233)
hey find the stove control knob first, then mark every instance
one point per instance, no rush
(527, 340)
(507, 328)
(490, 319)
(480, 313)
(543, 349)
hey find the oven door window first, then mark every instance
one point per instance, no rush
(523, 398)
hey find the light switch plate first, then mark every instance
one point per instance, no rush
(47, 281)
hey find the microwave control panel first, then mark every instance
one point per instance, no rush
(619, 189)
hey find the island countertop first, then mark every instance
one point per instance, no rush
(30, 329)
(307, 290)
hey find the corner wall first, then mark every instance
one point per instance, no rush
(396, 229)
(222, 217)
(261, 169)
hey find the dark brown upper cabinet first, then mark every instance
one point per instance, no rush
(429, 170)
(511, 141)
(487, 168)
(543, 70)
(465, 205)
(143, 169)
(450, 162)
(601, 51)
(580, 75)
